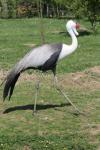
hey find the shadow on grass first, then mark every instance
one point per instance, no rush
(31, 107)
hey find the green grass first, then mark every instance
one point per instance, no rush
(55, 126)
(51, 128)
(15, 33)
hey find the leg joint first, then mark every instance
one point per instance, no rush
(37, 85)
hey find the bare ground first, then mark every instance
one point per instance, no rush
(87, 80)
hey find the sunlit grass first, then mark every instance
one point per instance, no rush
(14, 34)
(54, 126)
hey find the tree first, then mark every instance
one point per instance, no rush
(12, 8)
(92, 11)
(41, 24)
(4, 9)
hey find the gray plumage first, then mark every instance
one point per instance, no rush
(43, 58)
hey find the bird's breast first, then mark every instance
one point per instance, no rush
(66, 50)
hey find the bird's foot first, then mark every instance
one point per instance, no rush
(34, 112)
(78, 112)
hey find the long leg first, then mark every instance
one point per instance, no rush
(36, 94)
(65, 96)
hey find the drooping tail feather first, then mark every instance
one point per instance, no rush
(13, 76)
(10, 83)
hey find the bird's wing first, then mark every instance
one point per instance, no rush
(44, 57)
(38, 56)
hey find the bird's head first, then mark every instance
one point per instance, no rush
(71, 25)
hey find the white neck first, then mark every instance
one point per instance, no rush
(74, 41)
(68, 49)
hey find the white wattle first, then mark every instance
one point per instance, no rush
(68, 49)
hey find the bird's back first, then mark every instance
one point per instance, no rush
(39, 55)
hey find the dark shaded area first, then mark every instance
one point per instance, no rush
(31, 107)
(82, 32)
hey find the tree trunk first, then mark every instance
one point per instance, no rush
(57, 11)
(93, 23)
(54, 12)
(47, 11)
(41, 23)
(4, 9)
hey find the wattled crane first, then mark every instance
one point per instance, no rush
(43, 58)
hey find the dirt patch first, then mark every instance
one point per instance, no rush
(95, 130)
(95, 69)
(98, 148)
(86, 80)
(30, 45)
(3, 74)
(26, 147)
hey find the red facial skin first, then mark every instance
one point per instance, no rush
(77, 25)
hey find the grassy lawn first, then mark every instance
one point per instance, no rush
(55, 125)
